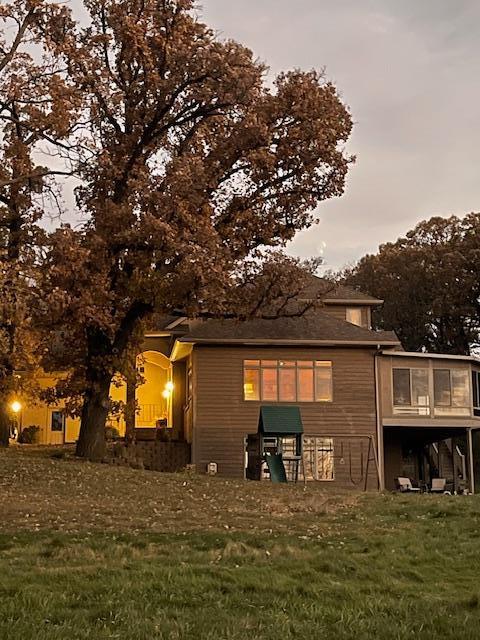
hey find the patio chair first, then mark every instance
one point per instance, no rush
(439, 485)
(404, 485)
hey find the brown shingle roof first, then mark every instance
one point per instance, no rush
(318, 327)
(337, 294)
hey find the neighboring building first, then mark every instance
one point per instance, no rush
(370, 411)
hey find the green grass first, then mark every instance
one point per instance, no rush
(388, 566)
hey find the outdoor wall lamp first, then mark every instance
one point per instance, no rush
(16, 406)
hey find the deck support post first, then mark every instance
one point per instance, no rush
(470, 461)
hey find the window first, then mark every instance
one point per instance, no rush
(318, 456)
(451, 392)
(354, 315)
(323, 381)
(305, 381)
(251, 381)
(476, 392)
(58, 421)
(410, 391)
(441, 385)
(287, 380)
(420, 387)
(286, 383)
(401, 387)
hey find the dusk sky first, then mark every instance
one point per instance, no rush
(409, 71)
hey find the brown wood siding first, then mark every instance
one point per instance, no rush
(222, 418)
(337, 311)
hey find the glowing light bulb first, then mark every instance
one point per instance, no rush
(16, 406)
(166, 393)
(169, 386)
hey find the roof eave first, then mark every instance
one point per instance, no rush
(352, 301)
(290, 342)
(436, 356)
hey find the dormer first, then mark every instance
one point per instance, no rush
(351, 305)
(342, 302)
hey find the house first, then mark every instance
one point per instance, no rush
(370, 411)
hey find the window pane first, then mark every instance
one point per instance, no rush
(323, 381)
(460, 391)
(57, 421)
(305, 385)
(325, 470)
(287, 363)
(354, 315)
(441, 387)
(420, 387)
(251, 363)
(269, 384)
(269, 363)
(251, 384)
(476, 388)
(287, 385)
(401, 387)
(305, 363)
(318, 458)
(309, 458)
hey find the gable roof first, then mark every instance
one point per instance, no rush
(314, 328)
(339, 294)
(343, 293)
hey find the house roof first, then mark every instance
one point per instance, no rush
(163, 325)
(343, 293)
(339, 294)
(433, 356)
(314, 328)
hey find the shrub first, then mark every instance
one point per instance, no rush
(29, 435)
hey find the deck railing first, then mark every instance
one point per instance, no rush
(150, 413)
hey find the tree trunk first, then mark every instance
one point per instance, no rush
(130, 405)
(91, 441)
(4, 423)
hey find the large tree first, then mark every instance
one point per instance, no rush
(194, 166)
(430, 282)
(36, 109)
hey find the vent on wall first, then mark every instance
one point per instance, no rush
(212, 468)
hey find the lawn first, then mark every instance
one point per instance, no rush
(94, 551)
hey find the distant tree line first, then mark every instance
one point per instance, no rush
(430, 283)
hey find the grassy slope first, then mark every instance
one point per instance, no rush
(232, 561)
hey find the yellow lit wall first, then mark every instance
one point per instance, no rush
(152, 405)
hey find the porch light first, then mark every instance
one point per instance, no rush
(169, 386)
(166, 393)
(16, 406)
